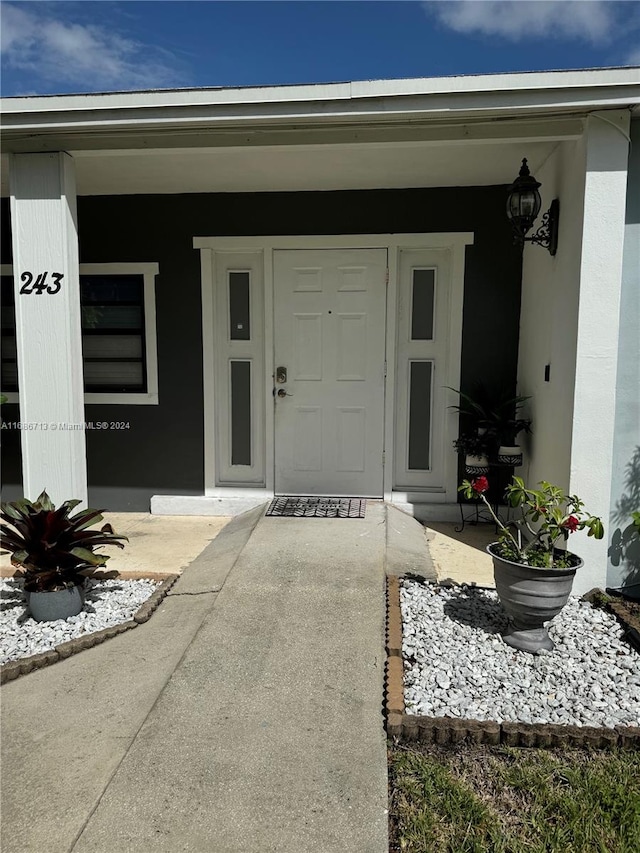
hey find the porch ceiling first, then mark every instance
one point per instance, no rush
(302, 167)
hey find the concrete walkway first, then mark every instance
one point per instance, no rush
(246, 715)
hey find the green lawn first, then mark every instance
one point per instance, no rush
(504, 800)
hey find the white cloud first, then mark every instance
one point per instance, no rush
(590, 20)
(88, 56)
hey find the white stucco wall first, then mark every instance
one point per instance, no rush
(569, 321)
(624, 553)
(549, 319)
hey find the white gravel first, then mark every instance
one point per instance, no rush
(107, 603)
(457, 665)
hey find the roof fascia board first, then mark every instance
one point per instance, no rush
(107, 126)
(397, 135)
(482, 83)
(441, 107)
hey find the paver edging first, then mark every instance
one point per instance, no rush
(630, 623)
(14, 669)
(452, 730)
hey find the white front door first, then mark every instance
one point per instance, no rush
(329, 348)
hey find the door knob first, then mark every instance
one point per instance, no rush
(282, 392)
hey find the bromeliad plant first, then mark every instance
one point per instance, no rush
(54, 548)
(548, 515)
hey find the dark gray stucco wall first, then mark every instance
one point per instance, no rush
(162, 452)
(624, 540)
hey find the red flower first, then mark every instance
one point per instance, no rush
(480, 485)
(571, 523)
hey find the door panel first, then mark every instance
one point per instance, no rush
(421, 438)
(329, 331)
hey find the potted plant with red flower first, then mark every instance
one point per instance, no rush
(533, 572)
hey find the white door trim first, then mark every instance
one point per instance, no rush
(456, 242)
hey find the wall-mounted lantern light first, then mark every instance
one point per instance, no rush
(523, 205)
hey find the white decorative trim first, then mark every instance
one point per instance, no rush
(390, 383)
(208, 369)
(454, 241)
(218, 351)
(269, 373)
(444, 352)
(431, 240)
(149, 271)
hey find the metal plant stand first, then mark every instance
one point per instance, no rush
(497, 484)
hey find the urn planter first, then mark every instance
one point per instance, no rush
(476, 466)
(532, 597)
(510, 454)
(56, 604)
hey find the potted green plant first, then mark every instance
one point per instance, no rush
(495, 413)
(534, 574)
(56, 552)
(509, 451)
(506, 427)
(475, 449)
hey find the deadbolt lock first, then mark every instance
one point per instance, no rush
(281, 374)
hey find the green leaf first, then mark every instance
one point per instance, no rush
(18, 558)
(43, 501)
(86, 518)
(67, 506)
(466, 489)
(11, 540)
(88, 556)
(16, 509)
(596, 528)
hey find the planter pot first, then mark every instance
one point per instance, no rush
(476, 466)
(61, 604)
(510, 455)
(532, 597)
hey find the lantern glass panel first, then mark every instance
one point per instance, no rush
(513, 205)
(530, 204)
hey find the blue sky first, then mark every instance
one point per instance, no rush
(57, 47)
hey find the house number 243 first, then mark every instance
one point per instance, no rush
(40, 285)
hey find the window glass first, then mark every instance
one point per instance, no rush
(422, 305)
(241, 413)
(239, 302)
(9, 377)
(420, 415)
(113, 333)
(113, 346)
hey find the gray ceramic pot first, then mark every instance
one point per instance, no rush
(532, 597)
(60, 604)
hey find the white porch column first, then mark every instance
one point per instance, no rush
(598, 323)
(48, 331)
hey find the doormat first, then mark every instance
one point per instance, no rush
(318, 507)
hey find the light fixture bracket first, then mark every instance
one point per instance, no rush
(547, 234)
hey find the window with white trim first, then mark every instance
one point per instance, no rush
(238, 355)
(424, 285)
(118, 333)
